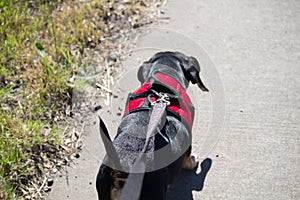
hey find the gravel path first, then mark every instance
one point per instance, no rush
(254, 47)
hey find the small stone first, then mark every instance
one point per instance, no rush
(120, 6)
(65, 161)
(113, 56)
(97, 107)
(50, 182)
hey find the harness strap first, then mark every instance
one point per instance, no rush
(180, 103)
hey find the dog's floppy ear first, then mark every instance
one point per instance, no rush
(143, 71)
(191, 69)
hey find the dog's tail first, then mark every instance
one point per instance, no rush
(111, 152)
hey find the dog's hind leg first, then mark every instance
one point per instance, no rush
(190, 160)
(104, 183)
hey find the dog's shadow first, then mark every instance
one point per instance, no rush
(187, 181)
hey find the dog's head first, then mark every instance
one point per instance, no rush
(188, 65)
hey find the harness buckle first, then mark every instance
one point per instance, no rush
(162, 98)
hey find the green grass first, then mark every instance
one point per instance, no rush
(35, 64)
(42, 45)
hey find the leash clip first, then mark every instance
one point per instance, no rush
(162, 98)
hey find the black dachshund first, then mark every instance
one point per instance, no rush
(170, 149)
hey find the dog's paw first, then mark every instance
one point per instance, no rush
(191, 161)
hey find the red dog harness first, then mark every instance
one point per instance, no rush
(181, 108)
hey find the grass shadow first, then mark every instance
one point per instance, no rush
(187, 181)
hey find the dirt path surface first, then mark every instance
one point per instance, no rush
(254, 47)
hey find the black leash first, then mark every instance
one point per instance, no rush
(112, 155)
